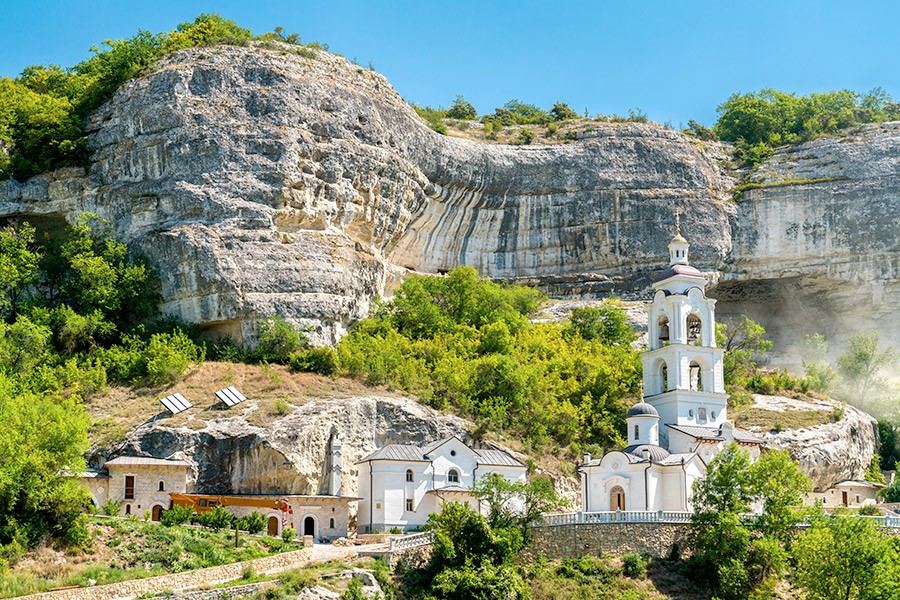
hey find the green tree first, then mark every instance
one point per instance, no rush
(462, 109)
(862, 365)
(888, 444)
(515, 504)
(18, 267)
(846, 557)
(43, 440)
(278, 340)
(607, 323)
(743, 342)
(562, 112)
(820, 376)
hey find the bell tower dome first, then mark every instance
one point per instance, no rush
(683, 377)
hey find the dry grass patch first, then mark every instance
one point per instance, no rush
(268, 389)
(761, 419)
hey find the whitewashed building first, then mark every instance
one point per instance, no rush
(400, 485)
(682, 422)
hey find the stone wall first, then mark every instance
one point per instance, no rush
(572, 541)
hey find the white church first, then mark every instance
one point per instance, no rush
(682, 422)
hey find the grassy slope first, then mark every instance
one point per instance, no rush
(131, 549)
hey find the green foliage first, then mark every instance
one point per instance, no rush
(606, 323)
(110, 508)
(433, 116)
(252, 523)
(353, 591)
(846, 557)
(44, 437)
(820, 376)
(516, 112)
(278, 340)
(734, 553)
(759, 121)
(288, 534)
(562, 112)
(177, 515)
(465, 342)
(743, 342)
(861, 368)
(525, 137)
(463, 110)
(873, 471)
(889, 444)
(216, 519)
(635, 565)
(700, 132)
(891, 493)
(470, 559)
(515, 505)
(43, 111)
(321, 360)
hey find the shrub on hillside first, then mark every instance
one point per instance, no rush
(215, 519)
(278, 340)
(252, 523)
(177, 515)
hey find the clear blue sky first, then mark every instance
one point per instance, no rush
(675, 60)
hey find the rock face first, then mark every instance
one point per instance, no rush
(827, 453)
(233, 456)
(262, 181)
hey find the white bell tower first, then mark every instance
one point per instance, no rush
(683, 377)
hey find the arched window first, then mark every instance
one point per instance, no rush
(696, 377)
(694, 329)
(162, 486)
(663, 328)
(331, 523)
(637, 432)
(664, 378)
(409, 475)
(617, 498)
(127, 509)
(701, 415)
(453, 476)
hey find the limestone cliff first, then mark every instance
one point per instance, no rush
(289, 455)
(262, 181)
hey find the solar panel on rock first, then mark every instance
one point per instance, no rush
(230, 396)
(176, 403)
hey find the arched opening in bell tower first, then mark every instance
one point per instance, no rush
(694, 329)
(696, 377)
(663, 328)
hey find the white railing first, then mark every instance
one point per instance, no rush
(617, 516)
(660, 516)
(412, 541)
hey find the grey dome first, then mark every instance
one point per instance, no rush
(645, 451)
(641, 409)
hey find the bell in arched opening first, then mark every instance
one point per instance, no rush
(664, 333)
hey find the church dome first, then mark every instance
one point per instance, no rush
(648, 451)
(641, 409)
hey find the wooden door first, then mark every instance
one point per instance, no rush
(617, 499)
(273, 526)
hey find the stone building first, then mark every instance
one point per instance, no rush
(849, 494)
(322, 517)
(138, 484)
(682, 422)
(400, 485)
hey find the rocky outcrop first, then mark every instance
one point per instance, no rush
(816, 248)
(829, 452)
(231, 455)
(264, 180)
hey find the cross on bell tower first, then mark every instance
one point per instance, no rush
(683, 378)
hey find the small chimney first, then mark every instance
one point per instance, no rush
(586, 458)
